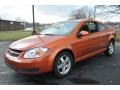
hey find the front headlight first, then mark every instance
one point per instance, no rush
(35, 52)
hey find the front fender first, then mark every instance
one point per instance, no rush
(56, 52)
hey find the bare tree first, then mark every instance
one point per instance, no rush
(82, 13)
(111, 10)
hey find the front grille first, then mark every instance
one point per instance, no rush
(14, 52)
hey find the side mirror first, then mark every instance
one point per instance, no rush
(82, 33)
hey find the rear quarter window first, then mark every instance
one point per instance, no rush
(102, 27)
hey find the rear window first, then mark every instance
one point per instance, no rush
(102, 27)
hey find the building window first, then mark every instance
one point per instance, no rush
(11, 22)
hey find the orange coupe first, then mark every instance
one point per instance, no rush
(59, 46)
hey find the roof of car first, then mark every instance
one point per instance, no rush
(79, 20)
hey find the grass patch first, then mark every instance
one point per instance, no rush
(118, 34)
(13, 35)
(16, 35)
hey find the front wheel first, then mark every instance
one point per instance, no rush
(63, 64)
(110, 49)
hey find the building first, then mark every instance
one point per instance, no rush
(6, 25)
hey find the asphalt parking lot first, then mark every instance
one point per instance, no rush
(97, 70)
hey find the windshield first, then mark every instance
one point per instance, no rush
(61, 28)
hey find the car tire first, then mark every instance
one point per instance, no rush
(63, 64)
(110, 49)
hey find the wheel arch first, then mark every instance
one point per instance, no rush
(66, 50)
(113, 40)
(58, 52)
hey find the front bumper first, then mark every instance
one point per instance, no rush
(29, 66)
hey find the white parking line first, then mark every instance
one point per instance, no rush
(118, 44)
(6, 72)
(2, 43)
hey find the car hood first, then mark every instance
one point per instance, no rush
(33, 41)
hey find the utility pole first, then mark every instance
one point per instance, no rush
(94, 12)
(33, 32)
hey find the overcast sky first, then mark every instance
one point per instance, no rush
(43, 13)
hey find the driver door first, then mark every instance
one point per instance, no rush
(87, 44)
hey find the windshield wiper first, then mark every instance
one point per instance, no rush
(39, 34)
(49, 34)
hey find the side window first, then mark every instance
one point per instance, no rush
(102, 27)
(92, 27)
(85, 27)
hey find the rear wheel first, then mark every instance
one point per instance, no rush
(63, 64)
(110, 49)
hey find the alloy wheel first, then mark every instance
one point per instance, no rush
(64, 64)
